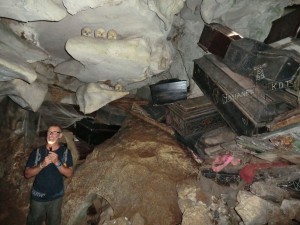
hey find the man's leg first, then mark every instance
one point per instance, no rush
(54, 212)
(37, 213)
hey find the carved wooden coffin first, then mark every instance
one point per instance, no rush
(194, 116)
(261, 62)
(168, 91)
(215, 38)
(246, 107)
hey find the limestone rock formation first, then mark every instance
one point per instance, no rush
(132, 43)
(135, 172)
(28, 96)
(93, 96)
(131, 58)
(32, 10)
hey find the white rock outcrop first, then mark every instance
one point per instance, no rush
(28, 96)
(110, 59)
(32, 10)
(127, 42)
(93, 96)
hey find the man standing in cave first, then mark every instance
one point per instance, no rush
(48, 164)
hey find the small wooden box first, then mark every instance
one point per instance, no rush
(194, 116)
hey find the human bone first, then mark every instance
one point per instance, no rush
(118, 87)
(100, 33)
(132, 62)
(86, 32)
(112, 34)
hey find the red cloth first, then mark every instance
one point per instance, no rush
(248, 172)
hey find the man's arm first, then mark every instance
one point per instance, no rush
(66, 171)
(32, 171)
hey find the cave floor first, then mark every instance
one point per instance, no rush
(10, 211)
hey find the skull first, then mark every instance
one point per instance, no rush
(86, 32)
(118, 87)
(100, 33)
(112, 34)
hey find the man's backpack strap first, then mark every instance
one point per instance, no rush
(37, 157)
(66, 155)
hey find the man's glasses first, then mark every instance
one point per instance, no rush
(53, 132)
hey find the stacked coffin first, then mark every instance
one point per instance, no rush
(248, 84)
(245, 106)
(216, 38)
(287, 26)
(264, 64)
(192, 118)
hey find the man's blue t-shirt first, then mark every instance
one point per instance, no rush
(48, 184)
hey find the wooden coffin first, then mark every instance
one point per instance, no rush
(286, 26)
(168, 91)
(84, 149)
(291, 44)
(94, 133)
(157, 112)
(264, 64)
(194, 116)
(191, 142)
(245, 106)
(215, 38)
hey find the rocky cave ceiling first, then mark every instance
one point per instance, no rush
(98, 51)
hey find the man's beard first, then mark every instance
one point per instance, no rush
(50, 142)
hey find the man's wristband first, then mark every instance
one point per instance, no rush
(58, 165)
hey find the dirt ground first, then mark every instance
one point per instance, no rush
(10, 211)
